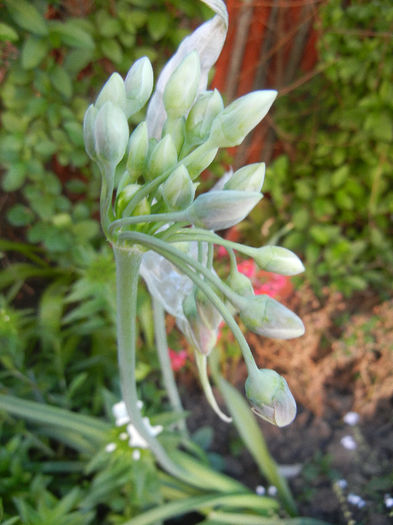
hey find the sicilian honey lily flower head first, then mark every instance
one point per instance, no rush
(161, 228)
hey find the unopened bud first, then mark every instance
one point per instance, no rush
(162, 158)
(113, 91)
(266, 316)
(138, 146)
(278, 260)
(175, 128)
(271, 399)
(249, 178)
(218, 210)
(138, 85)
(202, 337)
(231, 126)
(182, 86)
(198, 161)
(111, 133)
(240, 284)
(201, 116)
(88, 131)
(178, 190)
(124, 197)
(207, 312)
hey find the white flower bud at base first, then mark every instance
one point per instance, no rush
(162, 158)
(138, 85)
(113, 91)
(124, 198)
(278, 260)
(178, 190)
(248, 178)
(271, 399)
(201, 116)
(138, 147)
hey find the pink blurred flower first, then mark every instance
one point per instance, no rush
(248, 268)
(272, 284)
(178, 359)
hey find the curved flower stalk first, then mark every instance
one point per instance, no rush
(160, 230)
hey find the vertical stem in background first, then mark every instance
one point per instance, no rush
(165, 362)
(128, 261)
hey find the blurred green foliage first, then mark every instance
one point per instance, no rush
(336, 190)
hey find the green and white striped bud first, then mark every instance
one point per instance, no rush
(203, 112)
(198, 161)
(111, 133)
(218, 210)
(207, 312)
(202, 337)
(249, 178)
(175, 128)
(231, 126)
(88, 131)
(138, 147)
(124, 197)
(182, 86)
(138, 85)
(266, 316)
(278, 260)
(178, 190)
(162, 158)
(113, 91)
(271, 399)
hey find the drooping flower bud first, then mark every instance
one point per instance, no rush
(207, 312)
(249, 178)
(113, 91)
(111, 133)
(201, 116)
(278, 260)
(218, 210)
(266, 316)
(231, 126)
(271, 399)
(138, 146)
(182, 86)
(202, 337)
(240, 284)
(88, 131)
(138, 85)
(162, 158)
(178, 190)
(124, 197)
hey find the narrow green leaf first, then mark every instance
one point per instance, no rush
(27, 16)
(7, 33)
(71, 34)
(232, 518)
(61, 81)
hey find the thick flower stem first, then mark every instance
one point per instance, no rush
(165, 362)
(128, 261)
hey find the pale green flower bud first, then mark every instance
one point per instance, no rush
(138, 147)
(207, 312)
(182, 86)
(240, 284)
(249, 178)
(113, 91)
(199, 161)
(111, 133)
(266, 316)
(231, 126)
(178, 190)
(202, 337)
(124, 197)
(201, 116)
(162, 158)
(88, 131)
(278, 260)
(271, 398)
(218, 210)
(138, 85)
(175, 128)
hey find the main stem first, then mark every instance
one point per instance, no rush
(128, 261)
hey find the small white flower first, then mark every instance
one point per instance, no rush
(272, 490)
(356, 500)
(342, 483)
(260, 490)
(136, 454)
(351, 418)
(123, 436)
(110, 447)
(119, 410)
(348, 442)
(136, 440)
(388, 499)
